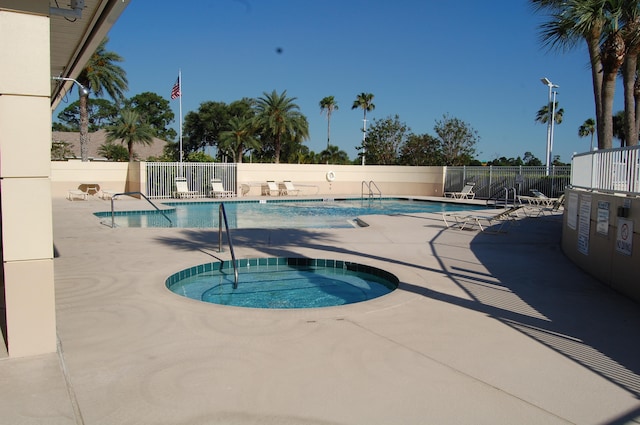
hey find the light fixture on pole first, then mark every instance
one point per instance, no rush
(553, 121)
(83, 89)
(550, 106)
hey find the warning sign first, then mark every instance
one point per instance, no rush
(624, 237)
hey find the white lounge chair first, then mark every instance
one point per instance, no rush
(469, 221)
(218, 190)
(182, 190)
(540, 203)
(271, 189)
(107, 193)
(77, 193)
(465, 193)
(289, 188)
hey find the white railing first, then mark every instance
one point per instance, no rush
(492, 181)
(161, 177)
(610, 170)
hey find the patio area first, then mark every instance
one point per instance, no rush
(484, 329)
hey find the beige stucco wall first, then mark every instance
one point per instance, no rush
(602, 259)
(69, 175)
(25, 187)
(312, 178)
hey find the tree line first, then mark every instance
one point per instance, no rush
(269, 128)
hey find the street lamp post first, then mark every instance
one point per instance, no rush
(551, 109)
(364, 138)
(553, 121)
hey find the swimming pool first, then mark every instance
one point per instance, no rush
(263, 214)
(283, 283)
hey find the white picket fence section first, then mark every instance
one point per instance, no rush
(161, 177)
(609, 170)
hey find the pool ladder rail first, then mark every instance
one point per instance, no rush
(370, 186)
(222, 217)
(115, 195)
(504, 201)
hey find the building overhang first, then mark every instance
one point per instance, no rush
(77, 27)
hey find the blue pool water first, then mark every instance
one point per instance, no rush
(277, 214)
(283, 283)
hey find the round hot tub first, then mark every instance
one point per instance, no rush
(282, 283)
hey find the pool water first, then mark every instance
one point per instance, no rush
(283, 283)
(277, 214)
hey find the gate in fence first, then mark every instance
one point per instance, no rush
(161, 177)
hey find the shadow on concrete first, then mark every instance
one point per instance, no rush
(529, 285)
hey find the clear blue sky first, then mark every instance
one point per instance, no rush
(477, 61)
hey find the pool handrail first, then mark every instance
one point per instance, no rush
(115, 195)
(222, 216)
(370, 187)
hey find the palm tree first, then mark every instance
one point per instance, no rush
(99, 74)
(280, 118)
(333, 155)
(239, 138)
(328, 105)
(610, 29)
(364, 101)
(631, 35)
(588, 129)
(543, 114)
(130, 129)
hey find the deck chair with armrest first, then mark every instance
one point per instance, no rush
(271, 189)
(542, 198)
(218, 190)
(182, 189)
(289, 188)
(466, 192)
(496, 222)
(540, 204)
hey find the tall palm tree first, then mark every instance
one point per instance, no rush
(239, 138)
(279, 117)
(130, 129)
(101, 73)
(631, 35)
(365, 102)
(588, 129)
(328, 105)
(598, 22)
(543, 114)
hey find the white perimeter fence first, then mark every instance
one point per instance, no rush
(609, 170)
(161, 177)
(492, 182)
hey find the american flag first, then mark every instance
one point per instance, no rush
(175, 90)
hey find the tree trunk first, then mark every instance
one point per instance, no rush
(629, 80)
(130, 147)
(84, 128)
(636, 98)
(328, 128)
(612, 57)
(276, 149)
(630, 70)
(593, 46)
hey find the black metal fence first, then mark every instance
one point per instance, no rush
(492, 182)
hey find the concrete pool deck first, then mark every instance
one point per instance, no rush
(484, 329)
